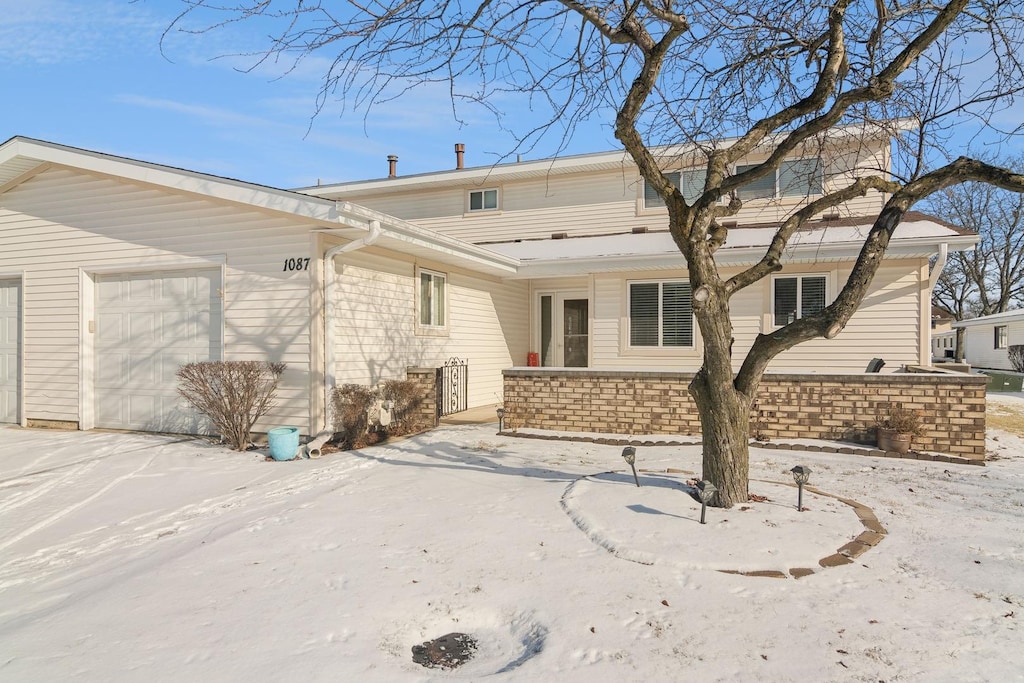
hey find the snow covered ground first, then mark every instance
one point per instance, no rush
(129, 557)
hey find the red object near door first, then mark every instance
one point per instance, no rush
(533, 359)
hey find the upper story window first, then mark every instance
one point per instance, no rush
(797, 296)
(660, 314)
(483, 200)
(793, 178)
(433, 299)
(690, 182)
(1002, 338)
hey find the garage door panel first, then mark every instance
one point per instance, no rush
(10, 351)
(142, 370)
(150, 325)
(111, 369)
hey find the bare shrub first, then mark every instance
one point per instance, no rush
(351, 403)
(1016, 352)
(407, 397)
(233, 395)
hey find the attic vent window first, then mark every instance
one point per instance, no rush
(483, 200)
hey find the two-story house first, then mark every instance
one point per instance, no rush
(115, 271)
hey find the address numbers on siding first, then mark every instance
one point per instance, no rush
(296, 264)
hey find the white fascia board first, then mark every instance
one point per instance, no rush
(409, 233)
(214, 187)
(741, 256)
(994, 319)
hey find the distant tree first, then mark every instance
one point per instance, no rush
(989, 279)
(778, 77)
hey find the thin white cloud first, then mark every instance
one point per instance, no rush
(49, 32)
(215, 116)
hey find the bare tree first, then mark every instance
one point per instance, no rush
(773, 76)
(989, 279)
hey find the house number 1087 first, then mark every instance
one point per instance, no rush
(296, 264)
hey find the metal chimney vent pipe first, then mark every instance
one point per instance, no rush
(460, 151)
(392, 166)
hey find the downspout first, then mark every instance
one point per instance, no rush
(933, 279)
(313, 448)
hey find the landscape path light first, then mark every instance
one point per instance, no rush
(706, 490)
(800, 474)
(629, 453)
(501, 419)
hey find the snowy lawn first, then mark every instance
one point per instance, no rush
(146, 558)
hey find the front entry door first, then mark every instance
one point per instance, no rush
(564, 330)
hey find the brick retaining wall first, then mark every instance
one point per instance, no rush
(788, 406)
(426, 378)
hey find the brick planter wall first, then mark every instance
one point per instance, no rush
(427, 379)
(788, 406)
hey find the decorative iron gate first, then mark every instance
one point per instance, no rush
(452, 387)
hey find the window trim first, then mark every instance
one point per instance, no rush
(483, 200)
(681, 173)
(661, 346)
(431, 328)
(1001, 337)
(799, 277)
(777, 174)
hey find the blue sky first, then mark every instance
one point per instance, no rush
(91, 75)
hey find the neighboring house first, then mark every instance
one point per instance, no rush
(113, 272)
(943, 336)
(989, 338)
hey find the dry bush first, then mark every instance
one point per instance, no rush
(350, 403)
(233, 395)
(407, 397)
(1016, 353)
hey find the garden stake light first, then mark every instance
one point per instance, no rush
(629, 453)
(501, 419)
(800, 474)
(706, 490)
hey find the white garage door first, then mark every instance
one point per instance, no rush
(10, 336)
(147, 326)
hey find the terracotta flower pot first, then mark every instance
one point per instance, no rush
(892, 440)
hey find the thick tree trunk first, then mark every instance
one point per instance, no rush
(725, 433)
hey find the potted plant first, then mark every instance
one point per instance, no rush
(898, 428)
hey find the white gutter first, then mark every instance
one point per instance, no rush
(937, 268)
(330, 283)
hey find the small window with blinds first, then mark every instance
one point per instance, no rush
(797, 296)
(660, 314)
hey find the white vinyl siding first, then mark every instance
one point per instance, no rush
(10, 351)
(375, 325)
(896, 294)
(61, 223)
(589, 202)
(982, 337)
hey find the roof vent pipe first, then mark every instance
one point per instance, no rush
(392, 166)
(460, 152)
